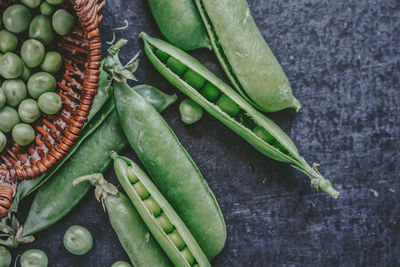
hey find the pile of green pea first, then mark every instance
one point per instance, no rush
(27, 68)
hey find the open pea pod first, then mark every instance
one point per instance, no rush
(245, 56)
(263, 134)
(164, 223)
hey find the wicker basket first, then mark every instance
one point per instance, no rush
(77, 86)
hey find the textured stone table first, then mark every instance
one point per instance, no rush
(343, 60)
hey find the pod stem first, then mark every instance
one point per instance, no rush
(12, 232)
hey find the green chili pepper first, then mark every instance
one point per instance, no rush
(141, 247)
(151, 208)
(180, 23)
(279, 146)
(245, 56)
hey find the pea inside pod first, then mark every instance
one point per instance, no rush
(180, 246)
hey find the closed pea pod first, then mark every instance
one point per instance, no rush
(280, 147)
(178, 244)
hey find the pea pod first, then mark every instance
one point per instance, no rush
(142, 249)
(180, 23)
(268, 138)
(154, 208)
(245, 56)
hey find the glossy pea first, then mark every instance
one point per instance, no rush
(15, 91)
(78, 240)
(176, 66)
(32, 53)
(165, 223)
(161, 55)
(8, 119)
(41, 29)
(11, 66)
(263, 134)
(176, 238)
(8, 41)
(63, 22)
(47, 9)
(3, 143)
(34, 258)
(131, 175)
(23, 134)
(210, 92)
(121, 264)
(152, 206)
(3, 99)
(227, 105)
(39, 83)
(5, 255)
(55, 2)
(141, 190)
(26, 73)
(194, 79)
(31, 3)
(52, 62)
(188, 255)
(50, 103)
(190, 111)
(16, 18)
(29, 111)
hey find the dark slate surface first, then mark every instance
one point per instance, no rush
(342, 58)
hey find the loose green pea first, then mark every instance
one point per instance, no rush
(165, 223)
(121, 264)
(190, 111)
(263, 134)
(3, 98)
(16, 18)
(188, 255)
(11, 66)
(55, 2)
(32, 53)
(194, 79)
(8, 119)
(131, 175)
(15, 91)
(52, 62)
(50, 103)
(23, 134)
(29, 111)
(152, 206)
(176, 66)
(227, 105)
(3, 143)
(34, 258)
(8, 41)
(41, 29)
(78, 240)
(41, 82)
(26, 73)
(141, 190)
(31, 3)
(176, 238)
(210, 92)
(63, 22)
(161, 55)
(47, 9)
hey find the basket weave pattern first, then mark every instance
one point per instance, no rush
(77, 86)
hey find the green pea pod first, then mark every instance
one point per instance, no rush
(141, 247)
(267, 137)
(172, 169)
(130, 174)
(180, 23)
(56, 197)
(245, 56)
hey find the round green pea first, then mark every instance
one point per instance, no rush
(50, 103)
(11, 66)
(47, 9)
(8, 41)
(29, 111)
(15, 91)
(63, 22)
(121, 264)
(165, 223)
(188, 255)
(5, 255)
(16, 18)
(263, 134)
(161, 55)
(176, 66)
(176, 238)
(210, 92)
(194, 79)
(23, 134)
(32, 53)
(227, 105)
(26, 73)
(55, 2)
(152, 206)
(131, 175)
(3, 98)
(34, 258)
(52, 62)
(3, 143)
(190, 111)
(8, 119)
(41, 29)
(31, 3)
(78, 240)
(141, 190)
(41, 82)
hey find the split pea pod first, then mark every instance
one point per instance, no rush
(180, 23)
(230, 108)
(245, 56)
(141, 247)
(162, 220)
